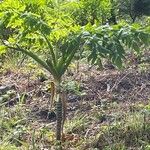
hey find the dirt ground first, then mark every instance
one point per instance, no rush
(94, 88)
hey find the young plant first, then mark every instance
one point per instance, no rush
(45, 34)
(32, 35)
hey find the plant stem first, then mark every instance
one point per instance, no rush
(58, 112)
(59, 119)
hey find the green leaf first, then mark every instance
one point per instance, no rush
(2, 49)
(135, 46)
(118, 62)
(145, 38)
(102, 49)
(93, 55)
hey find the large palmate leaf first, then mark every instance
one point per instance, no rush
(34, 34)
(112, 42)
